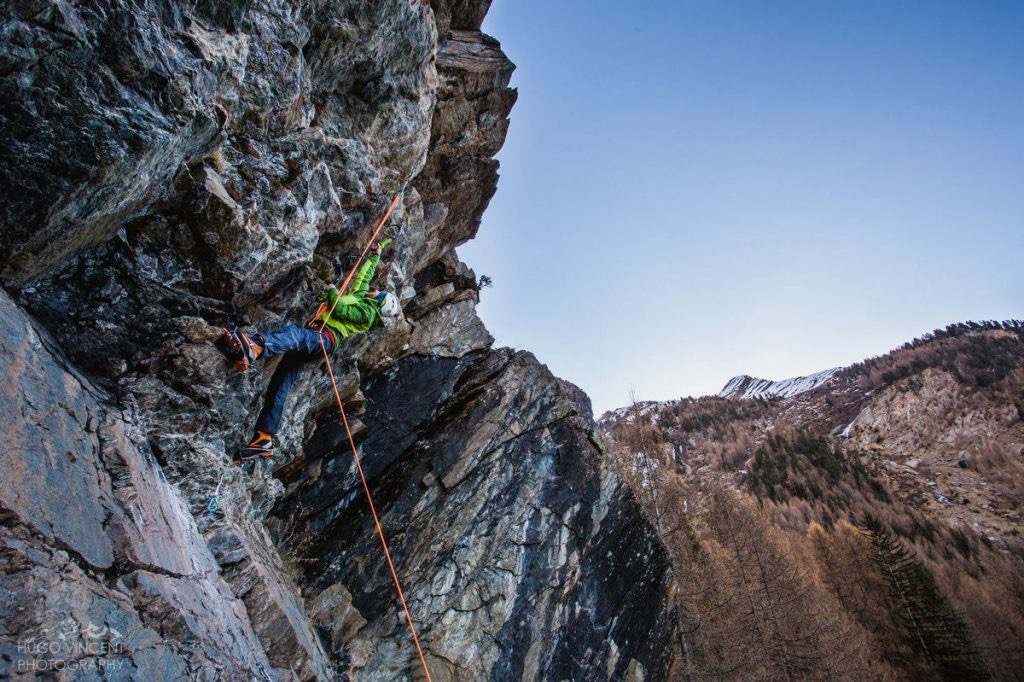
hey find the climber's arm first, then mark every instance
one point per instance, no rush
(361, 284)
(331, 298)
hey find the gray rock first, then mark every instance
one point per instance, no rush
(94, 538)
(522, 549)
(177, 167)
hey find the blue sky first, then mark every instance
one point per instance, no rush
(694, 190)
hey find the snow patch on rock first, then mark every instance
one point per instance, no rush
(749, 388)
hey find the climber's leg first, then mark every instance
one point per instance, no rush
(246, 348)
(294, 338)
(269, 421)
(302, 346)
(277, 392)
(273, 407)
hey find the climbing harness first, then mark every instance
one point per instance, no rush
(348, 431)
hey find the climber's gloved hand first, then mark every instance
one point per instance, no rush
(329, 295)
(383, 244)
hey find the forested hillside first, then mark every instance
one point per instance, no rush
(866, 528)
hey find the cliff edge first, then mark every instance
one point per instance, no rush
(173, 167)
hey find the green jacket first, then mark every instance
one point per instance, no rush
(354, 312)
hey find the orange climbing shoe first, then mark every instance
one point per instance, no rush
(243, 349)
(261, 446)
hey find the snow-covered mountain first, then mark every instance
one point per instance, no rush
(747, 387)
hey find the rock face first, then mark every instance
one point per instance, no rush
(98, 549)
(955, 450)
(172, 167)
(528, 593)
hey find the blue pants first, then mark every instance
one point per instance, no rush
(299, 345)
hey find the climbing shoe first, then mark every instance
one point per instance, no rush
(243, 349)
(261, 446)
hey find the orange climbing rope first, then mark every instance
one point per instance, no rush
(351, 440)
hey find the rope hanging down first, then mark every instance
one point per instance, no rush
(351, 441)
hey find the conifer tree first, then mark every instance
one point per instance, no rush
(931, 627)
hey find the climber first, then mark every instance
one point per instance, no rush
(341, 316)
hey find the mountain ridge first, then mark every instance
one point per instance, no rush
(912, 458)
(748, 387)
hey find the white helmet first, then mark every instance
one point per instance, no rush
(389, 307)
